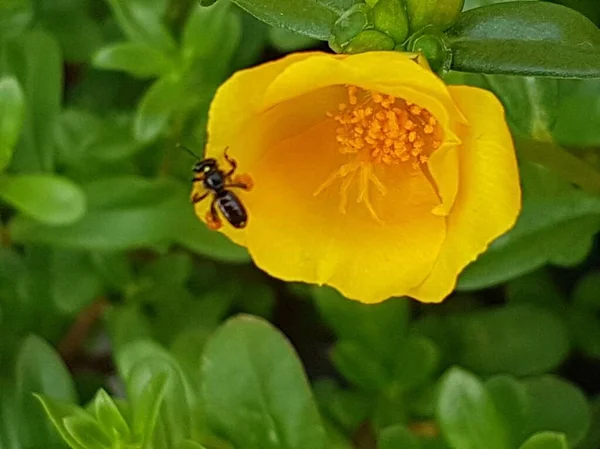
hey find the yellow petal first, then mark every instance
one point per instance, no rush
(489, 197)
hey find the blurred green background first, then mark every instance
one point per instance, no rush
(113, 296)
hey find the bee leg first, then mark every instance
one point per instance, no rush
(197, 198)
(212, 219)
(243, 181)
(231, 162)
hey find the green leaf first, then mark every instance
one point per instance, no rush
(466, 413)
(592, 439)
(108, 415)
(123, 212)
(141, 23)
(288, 41)
(15, 15)
(526, 38)
(12, 113)
(417, 359)
(396, 437)
(50, 199)
(87, 432)
(271, 405)
(348, 408)
(558, 406)
(556, 225)
(521, 340)
(156, 107)
(578, 116)
(158, 388)
(313, 18)
(510, 399)
(39, 369)
(137, 59)
(356, 363)
(57, 411)
(546, 440)
(35, 60)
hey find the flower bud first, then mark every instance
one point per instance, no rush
(390, 17)
(439, 13)
(370, 40)
(430, 43)
(349, 25)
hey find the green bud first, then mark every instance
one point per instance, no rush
(439, 13)
(370, 40)
(390, 17)
(349, 25)
(430, 42)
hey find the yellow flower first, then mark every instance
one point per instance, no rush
(370, 174)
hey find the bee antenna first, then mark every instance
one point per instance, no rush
(180, 146)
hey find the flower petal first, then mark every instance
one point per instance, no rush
(489, 197)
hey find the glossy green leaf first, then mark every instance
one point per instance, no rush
(123, 212)
(108, 415)
(158, 388)
(155, 109)
(15, 15)
(526, 38)
(140, 21)
(57, 411)
(313, 18)
(521, 340)
(466, 413)
(288, 41)
(397, 437)
(510, 399)
(87, 432)
(271, 406)
(556, 405)
(12, 113)
(39, 369)
(35, 60)
(556, 225)
(136, 59)
(546, 440)
(50, 199)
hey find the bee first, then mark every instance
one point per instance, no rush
(218, 183)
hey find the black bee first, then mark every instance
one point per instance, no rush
(218, 182)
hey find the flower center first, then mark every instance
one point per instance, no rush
(383, 130)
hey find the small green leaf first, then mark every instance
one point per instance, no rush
(592, 439)
(558, 406)
(140, 21)
(57, 411)
(147, 396)
(12, 113)
(87, 432)
(578, 116)
(546, 440)
(50, 199)
(526, 38)
(108, 415)
(397, 437)
(521, 340)
(355, 363)
(313, 18)
(39, 369)
(156, 107)
(271, 405)
(36, 61)
(510, 399)
(137, 59)
(288, 41)
(467, 415)
(123, 212)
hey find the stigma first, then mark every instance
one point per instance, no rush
(373, 129)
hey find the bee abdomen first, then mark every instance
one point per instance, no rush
(232, 209)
